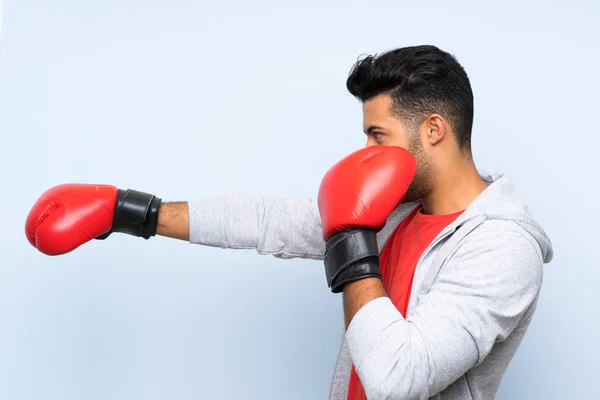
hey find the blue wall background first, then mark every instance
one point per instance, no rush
(187, 99)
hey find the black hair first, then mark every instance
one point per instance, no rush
(421, 80)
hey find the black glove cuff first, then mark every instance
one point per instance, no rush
(136, 214)
(351, 255)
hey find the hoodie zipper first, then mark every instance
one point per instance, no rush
(435, 242)
(427, 250)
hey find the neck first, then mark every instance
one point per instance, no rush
(456, 184)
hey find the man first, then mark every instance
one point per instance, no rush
(461, 258)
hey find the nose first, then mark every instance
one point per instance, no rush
(370, 142)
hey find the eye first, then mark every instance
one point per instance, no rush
(378, 136)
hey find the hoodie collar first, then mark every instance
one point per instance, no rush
(500, 200)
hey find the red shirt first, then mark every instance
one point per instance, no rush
(398, 261)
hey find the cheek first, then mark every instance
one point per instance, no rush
(400, 141)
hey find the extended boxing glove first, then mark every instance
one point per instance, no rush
(356, 197)
(69, 215)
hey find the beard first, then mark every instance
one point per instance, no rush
(421, 183)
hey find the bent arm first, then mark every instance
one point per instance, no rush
(480, 296)
(279, 226)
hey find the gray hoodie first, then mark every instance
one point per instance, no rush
(474, 291)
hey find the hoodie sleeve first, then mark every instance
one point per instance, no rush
(482, 293)
(279, 226)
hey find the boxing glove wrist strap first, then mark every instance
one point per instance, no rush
(351, 255)
(136, 214)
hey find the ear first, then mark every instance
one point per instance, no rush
(436, 129)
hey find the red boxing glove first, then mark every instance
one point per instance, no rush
(355, 199)
(69, 215)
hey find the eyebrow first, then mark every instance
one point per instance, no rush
(371, 128)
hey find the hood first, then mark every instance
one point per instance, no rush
(500, 200)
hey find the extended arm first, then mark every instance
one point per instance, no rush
(174, 221)
(67, 216)
(283, 227)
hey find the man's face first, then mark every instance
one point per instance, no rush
(383, 127)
